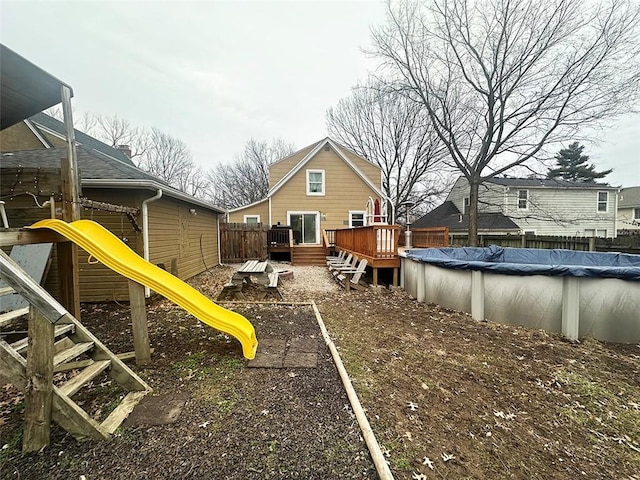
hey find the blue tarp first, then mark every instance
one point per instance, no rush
(532, 261)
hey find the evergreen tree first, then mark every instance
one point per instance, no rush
(572, 165)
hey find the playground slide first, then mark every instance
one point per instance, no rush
(112, 252)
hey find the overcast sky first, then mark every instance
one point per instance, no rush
(216, 74)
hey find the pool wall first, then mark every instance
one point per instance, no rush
(607, 309)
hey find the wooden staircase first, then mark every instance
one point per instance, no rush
(308, 255)
(73, 350)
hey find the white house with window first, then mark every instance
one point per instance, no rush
(629, 210)
(545, 206)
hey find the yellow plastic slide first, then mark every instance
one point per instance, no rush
(116, 255)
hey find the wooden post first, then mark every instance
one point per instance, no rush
(39, 390)
(395, 276)
(375, 276)
(68, 251)
(139, 323)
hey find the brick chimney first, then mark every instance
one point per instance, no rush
(124, 148)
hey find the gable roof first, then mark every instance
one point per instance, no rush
(42, 121)
(547, 183)
(448, 215)
(629, 197)
(318, 147)
(100, 171)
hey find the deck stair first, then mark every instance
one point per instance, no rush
(308, 255)
(73, 346)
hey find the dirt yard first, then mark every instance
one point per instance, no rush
(447, 397)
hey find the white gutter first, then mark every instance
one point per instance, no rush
(145, 230)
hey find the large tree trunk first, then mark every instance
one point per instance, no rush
(473, 212)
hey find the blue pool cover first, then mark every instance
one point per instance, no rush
(532, 261)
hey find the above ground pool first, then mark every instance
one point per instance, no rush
(575, 293)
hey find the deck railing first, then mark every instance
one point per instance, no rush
(279, 237)
(427, 237)
(329, 238)
(374, 241)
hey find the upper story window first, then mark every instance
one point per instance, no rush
(523, 199)
(636, 214)
(315, 182)
(603, 200)
(465, 206)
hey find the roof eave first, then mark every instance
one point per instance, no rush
(151, 185)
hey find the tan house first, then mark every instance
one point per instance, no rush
(323, 186)
(168, 227)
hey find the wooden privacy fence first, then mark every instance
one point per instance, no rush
(623, 243)
(427, 237)
(240, 242)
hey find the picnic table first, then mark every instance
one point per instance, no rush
(261, 271)
(253, 268)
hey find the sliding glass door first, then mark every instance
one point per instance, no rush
(305, 226)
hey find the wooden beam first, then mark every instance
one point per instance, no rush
(108, 207)
(139, 323)
(39, 390)
(20, 236)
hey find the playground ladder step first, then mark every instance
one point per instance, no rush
(72, 352)
(115, 419)
(21, 345)
(84, 377)
(9, 317)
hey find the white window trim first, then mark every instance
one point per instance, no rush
(316, 194)
(606, 203)
(518, 199)
(635, 214)
(361, 212)
(246, 217)
(306, 212)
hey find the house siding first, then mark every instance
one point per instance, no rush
(551, 211)
(279, 169)
(344, 191)
(625, 219)
(261, 209)
(19, 137)
(184, 244)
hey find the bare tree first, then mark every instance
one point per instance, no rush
(501, 79)
(246, 179)
(394, 133)
(116, 131)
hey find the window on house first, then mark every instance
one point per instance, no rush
(315, 182)
(356, 219)
(636, 214)
(523, 199)
(252, 219)
(603, 200)
(601, 233)
(465, 206)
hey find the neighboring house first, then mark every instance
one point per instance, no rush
(182, 230)
(629, 209)
(537, 206)
(322, 186)
(43, 131)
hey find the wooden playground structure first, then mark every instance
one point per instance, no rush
(56, 339)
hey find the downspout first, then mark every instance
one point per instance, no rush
(145, 231)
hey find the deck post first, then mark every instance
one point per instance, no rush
(395, 276)
(139, 323)
(38, 393)
(375, 276)
(477, 295)
(571, 308)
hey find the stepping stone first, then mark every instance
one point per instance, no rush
(270, 353)
(301, 360)
(156, 410)
(305, 345)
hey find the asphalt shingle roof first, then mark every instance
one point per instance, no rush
(545, 182)
(87, 141)
(448, 215)
(629, 197)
